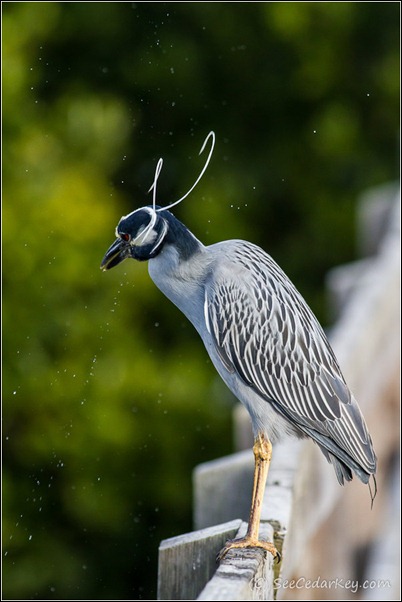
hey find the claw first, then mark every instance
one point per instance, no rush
(248, 542)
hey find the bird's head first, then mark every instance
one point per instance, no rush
(143, 233)
(140, 235)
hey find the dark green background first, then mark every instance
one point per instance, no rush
(109, 398)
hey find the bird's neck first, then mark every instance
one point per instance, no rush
(180, 237)
(181, 274)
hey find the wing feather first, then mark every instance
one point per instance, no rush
(264, 331)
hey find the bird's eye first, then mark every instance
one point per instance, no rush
(124, 236)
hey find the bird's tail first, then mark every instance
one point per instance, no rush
(344, 472)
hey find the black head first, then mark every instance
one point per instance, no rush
(140, 235)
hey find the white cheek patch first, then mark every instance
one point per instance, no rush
(146, 236)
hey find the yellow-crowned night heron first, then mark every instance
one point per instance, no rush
(262, 338)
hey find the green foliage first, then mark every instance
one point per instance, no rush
(109, 399)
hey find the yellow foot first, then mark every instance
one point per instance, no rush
(248, 542)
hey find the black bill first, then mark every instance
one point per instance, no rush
(115, 254)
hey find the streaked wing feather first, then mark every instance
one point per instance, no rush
(264, 331)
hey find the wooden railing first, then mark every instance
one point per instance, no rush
(333, 545)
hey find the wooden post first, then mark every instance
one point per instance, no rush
(222, 489)
(244, 574)
(187, 562)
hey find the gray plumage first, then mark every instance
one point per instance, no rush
(261, 336)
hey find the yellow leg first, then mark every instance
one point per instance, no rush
(262, 457)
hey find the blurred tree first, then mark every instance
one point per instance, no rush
(109, 399)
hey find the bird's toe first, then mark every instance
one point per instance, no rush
(248, 542)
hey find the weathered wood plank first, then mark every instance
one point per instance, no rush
(222, 489)
(243, 574)
(187, 562)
